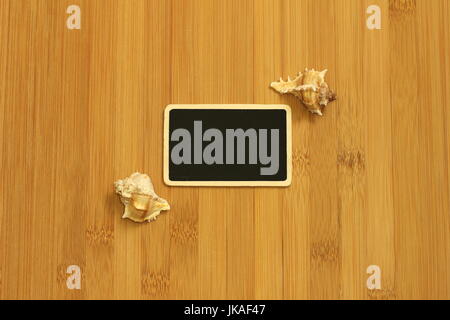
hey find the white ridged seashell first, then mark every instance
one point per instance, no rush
(310, 87)
(139, 198)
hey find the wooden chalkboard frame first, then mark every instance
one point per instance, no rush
(284, 183)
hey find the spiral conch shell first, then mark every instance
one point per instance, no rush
(138, 195)
(310, 87)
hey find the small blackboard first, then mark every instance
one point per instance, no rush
(227, 145)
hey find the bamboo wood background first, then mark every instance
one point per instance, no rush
(82, 108)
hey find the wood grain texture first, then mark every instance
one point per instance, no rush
(82, 108)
